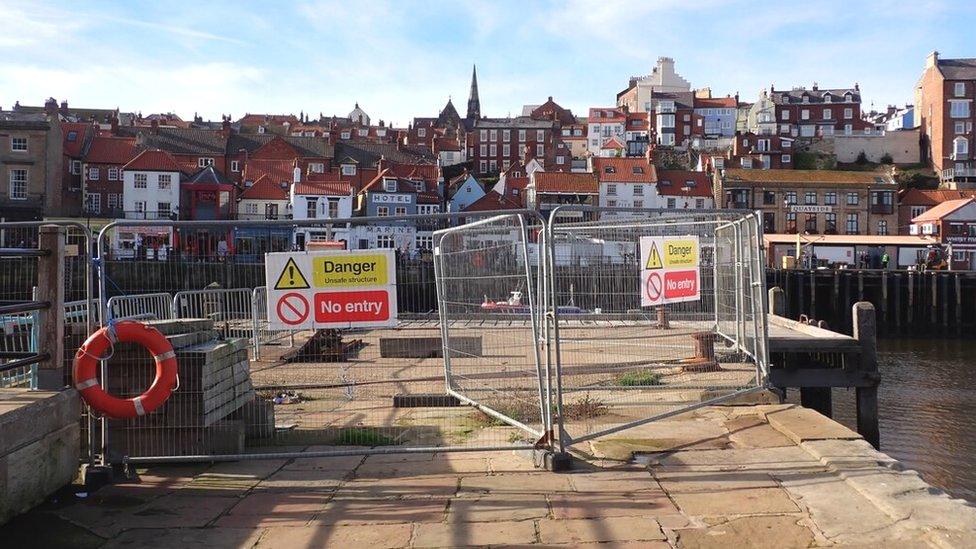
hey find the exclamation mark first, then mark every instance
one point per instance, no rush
(291, 274)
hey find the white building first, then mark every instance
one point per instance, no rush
(359, 116)
(626, 183)
(663, 79)
(321, 196)
(605, 123)
(150, 190)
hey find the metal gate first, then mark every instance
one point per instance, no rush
(620, 365)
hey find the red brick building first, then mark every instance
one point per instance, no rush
(496, 143)
(914, 202)
(802, 112)
(944, 109)
(101, 173)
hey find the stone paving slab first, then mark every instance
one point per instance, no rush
(767, 485)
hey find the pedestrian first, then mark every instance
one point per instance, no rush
(884, 260)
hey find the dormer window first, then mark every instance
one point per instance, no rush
(806, 98)
(638, 169)
(390, 185)
(609, 169)
(348, 169)
(665, 182)
(848, 96)
(827, 98)
(363, 132)
(261, 129)
(690, 183)
(345, 135)
(421, 187)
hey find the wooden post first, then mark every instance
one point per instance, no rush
(958, 304)
(898, 302)
(860, 285)
(865, 331)
(945, 300)
(50, 321)
(884, 299)
(911, 298)
(777, 301)
(813, 294)
(935, 297)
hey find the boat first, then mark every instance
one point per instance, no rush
(514, 306)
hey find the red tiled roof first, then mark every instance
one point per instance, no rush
(612, 144)
(73, 148)
(606, 114)
(153, 161)
(327, 188)
(277, 170)
(429, 173)
(563, 182)
(679, 187)
(623, 170)
(265, 189)
(111, 150)
(490, 202)
(938, 212)
(715, 102)
(446, 144)
(920, 197)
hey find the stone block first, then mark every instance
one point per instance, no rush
(803, 424)
(610, 529)
(32, 472)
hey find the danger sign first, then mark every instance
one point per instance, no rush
(331, 289)
(670, 270)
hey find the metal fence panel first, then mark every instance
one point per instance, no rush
(152, 306)
(621, 365)
(489, 312)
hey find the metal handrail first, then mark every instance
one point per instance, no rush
(24, 307)
(27, 361)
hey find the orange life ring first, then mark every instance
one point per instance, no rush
(93, 349)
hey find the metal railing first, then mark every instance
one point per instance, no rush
(153, 306)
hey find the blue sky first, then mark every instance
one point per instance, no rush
(401, 59)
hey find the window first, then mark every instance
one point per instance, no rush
(93, 203)
(506, 150)
(270, 210)
(848, 129)
(521, 135)
(638, 203)
(540, 135)
(493, 135)
(848, 113)
(493, 149)
(75, 167)
(113, 174)
(483, 135)
(344, 135)
(18, 144)
(164, 181)
(786, 143)
(830, 198)
(390, 185)
(699, 203)
(611, 189)
(385, 241)
(140, 180)
(94, 174)
(960, 127)
(422, 132)
(203, 162)
(805, 114)
(852, 223)
(784, 114)
(882, 227)
(638, 190)
(790, 197)
(811, 223)
(483, 149)
(560, 160)
(506, 136)
(312, 208)
(316, 167)
(348, 169)
(611, 203)
(769, 197)
(827, 114)
(671, 203)
(830, 223)
(540, 150)
(791, 222)
(424, 242)
(960, 146)
(400, 210)
(960, 89)
(113, 201)
(382, 211)
(810, 198)
(852, 199)
(163, 209)
(747, 163)
(140, 206)
(484, 166)
(917, 211)
(786, 159)
(235, 165)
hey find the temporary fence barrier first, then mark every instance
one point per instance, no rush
(653, 314)
(153, 306)
(335, 392)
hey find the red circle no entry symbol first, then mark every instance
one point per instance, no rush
(293, 309)
(654, 286)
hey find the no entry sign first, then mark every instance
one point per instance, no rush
(670, 269)
(331, 289)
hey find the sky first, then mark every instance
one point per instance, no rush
(400, 59)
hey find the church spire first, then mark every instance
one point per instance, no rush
(474, 104)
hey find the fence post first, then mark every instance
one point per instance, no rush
(777, 301)
(865, 331)
(50, 288)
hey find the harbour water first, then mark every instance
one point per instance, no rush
(927, 408)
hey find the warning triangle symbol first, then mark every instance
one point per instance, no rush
(291, 277)
(654, 258)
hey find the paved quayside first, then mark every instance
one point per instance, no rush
(725, 476)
